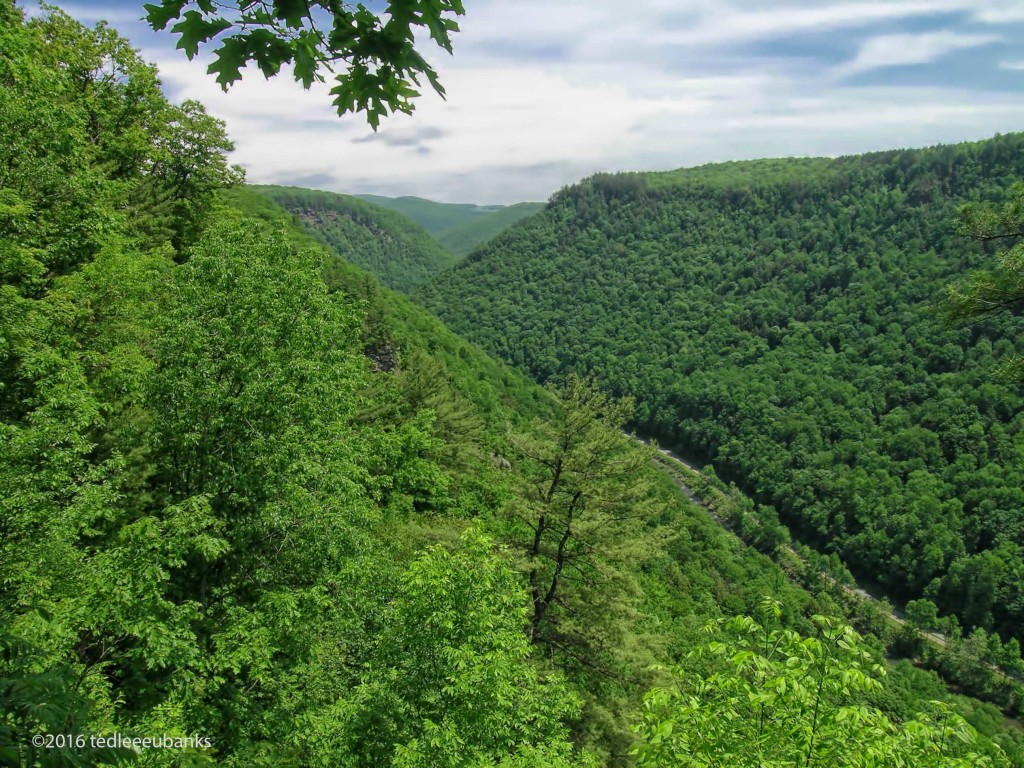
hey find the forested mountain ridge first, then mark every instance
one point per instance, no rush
(257, 505)
(394, 242)
(779, 320)
(459, 227)
(463, 239)
(717, 576)
(433, 216)
(388, 244)
(393, 324)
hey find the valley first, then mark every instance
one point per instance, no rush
(291, 477)
(780, 321)
(458, 228)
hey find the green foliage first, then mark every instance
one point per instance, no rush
(196, 460)
(583, 522)
(96, 147)
(377, 62)
(85, 564)
(448, 682)
(582, 516)
(773, 698)
(434, 217)
(189, 167)
(258, 378)
(743, 174)
(458, 227)
(463, 239)
(393, 322)
(241, 482)
(777, 320)
(922, 614)
(34, 702)
(386, 243)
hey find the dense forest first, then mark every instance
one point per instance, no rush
(393, 242)
(433, 216)
(783, 321)
(459, 227)
(463, 240)
(259, 509)
(388, 244)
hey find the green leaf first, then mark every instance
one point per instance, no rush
(268, 51)
(231, 57)
(292, 12)
(194, 30)
(306, 64)
(158, 16)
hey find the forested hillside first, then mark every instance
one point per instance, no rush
(225, 486)
(461, 240)
(388, 244)
(782, 321)
(433, 216)
(458, 227)
(260, 510)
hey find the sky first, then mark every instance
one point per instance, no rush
(541, 93)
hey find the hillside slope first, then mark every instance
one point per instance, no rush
(251, 496)
(723, 575)
(388, 244)
(778, 319)
(498, 391)
(458, 227)
(433, 216)
(461, 240)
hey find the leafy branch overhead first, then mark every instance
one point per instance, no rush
(373, 59)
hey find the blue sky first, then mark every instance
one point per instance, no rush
(544, 92)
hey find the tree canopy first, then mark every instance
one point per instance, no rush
(394, 248)
(775, 699)
(991, 292)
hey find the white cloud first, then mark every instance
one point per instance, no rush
(541, 93)
(725, 23)
(1000, 12)
(601, 24)
(90, 13)
(902, 50)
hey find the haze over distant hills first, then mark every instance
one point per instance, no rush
(403, 241)
(432, 216)
(459, 227)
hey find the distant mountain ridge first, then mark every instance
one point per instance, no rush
(459, 227)
(404, 241)
(464, 239)
(432, 216)
(392, 246)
